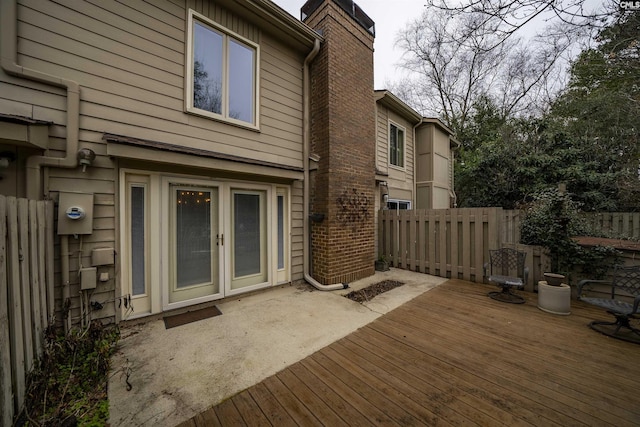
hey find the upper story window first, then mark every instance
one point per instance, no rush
(396, 145)
(222, 73)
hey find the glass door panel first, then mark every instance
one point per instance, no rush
(248, 238)
(194, 267)
(137, 241)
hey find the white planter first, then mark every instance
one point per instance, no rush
(554, 299)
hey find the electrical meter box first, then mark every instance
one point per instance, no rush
(75, 213)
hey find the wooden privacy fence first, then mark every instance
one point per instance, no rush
(622, 225)
(453, 243)
(26, 293)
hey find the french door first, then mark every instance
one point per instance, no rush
(187, 240)
(193, 249)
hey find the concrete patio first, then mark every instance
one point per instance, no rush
(177, 373)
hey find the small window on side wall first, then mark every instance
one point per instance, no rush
(396, 145)
(398, 205)
(222, 73)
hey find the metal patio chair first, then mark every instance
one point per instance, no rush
(623, 303)
(507, 270)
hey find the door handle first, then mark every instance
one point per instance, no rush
(219, 239)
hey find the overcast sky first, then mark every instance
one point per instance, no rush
(390, 17)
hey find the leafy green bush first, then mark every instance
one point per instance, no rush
(552, 220)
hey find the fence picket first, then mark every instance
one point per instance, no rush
(479, 246)
(454, 245)
(404, 244)
(617, 225)
(23, 237)
(15, 302)
(41, 257)
(34, 282)
(455, 242)
(431, 243)
(26, 291)
(6, 390)
(441, 249)
(413, 265)
(422, 247)
(466, 244)
(49, 263)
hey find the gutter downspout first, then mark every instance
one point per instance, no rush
(9, 63)
(34, 164)
(415, 165)
(306, 149)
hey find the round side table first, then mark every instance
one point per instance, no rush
(554, 299)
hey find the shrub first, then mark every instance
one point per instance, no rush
(68, 385)
(552, 220)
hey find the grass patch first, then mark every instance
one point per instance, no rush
(68, 385)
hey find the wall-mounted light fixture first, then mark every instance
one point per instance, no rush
(384, 192)
(6, 157)
(86, 157)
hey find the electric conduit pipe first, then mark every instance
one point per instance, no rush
(9, 63)
(306, 142)
(34, 164)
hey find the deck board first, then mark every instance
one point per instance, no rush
(453, 356)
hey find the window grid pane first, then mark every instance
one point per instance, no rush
(193, 238)
(241, 81)
(400, 148)
(137, 218)
(224, 73)
(396, 145)
(280, 232)
(393, 144)
(247, 234)
(207, 69)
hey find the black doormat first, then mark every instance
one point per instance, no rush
(190, 316)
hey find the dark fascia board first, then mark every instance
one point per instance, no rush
(389, 100)
(22, 120)
(274, 20)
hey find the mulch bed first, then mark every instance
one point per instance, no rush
(366, 294)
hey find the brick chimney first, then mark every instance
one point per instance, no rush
(343, 135)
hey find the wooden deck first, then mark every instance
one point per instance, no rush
(453, 356)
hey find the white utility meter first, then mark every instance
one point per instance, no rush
(75, 212)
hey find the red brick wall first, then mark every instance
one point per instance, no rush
(343, 135)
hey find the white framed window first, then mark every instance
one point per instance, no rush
(396, 145)
(397, 205)
(222, 73)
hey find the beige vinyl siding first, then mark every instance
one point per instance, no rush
(400, 179)
(297, 224)
(382, 139)
(130, 92)
(223, 17)
(129, 60)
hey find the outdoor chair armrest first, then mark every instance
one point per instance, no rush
(485, 267)
(636, 303)
(526, 275)
(587, 281)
